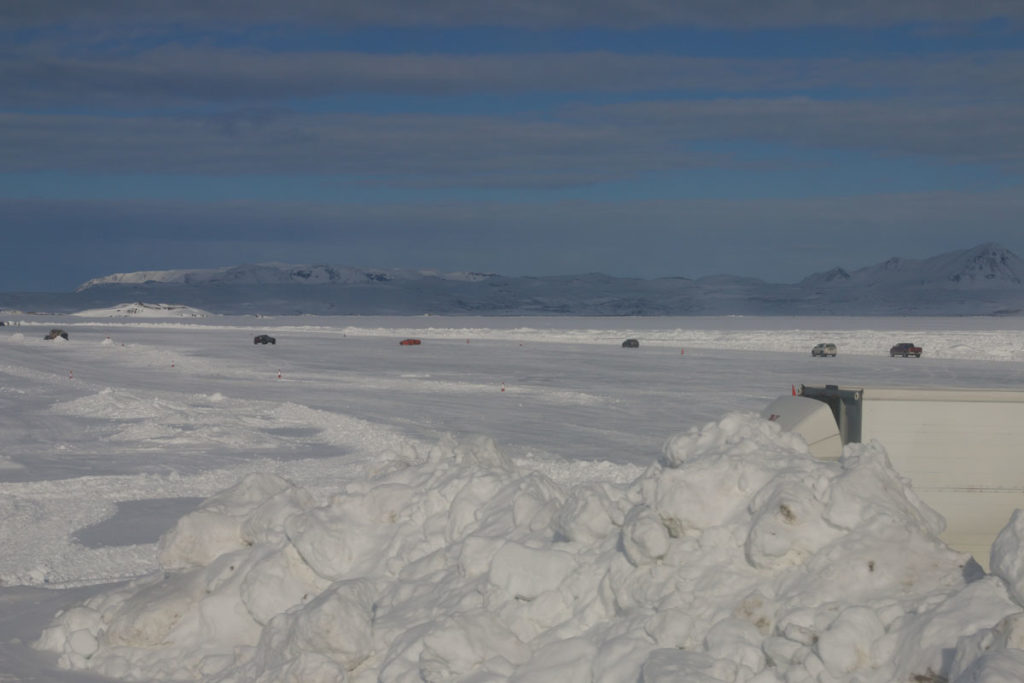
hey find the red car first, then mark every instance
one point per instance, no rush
(410, 342)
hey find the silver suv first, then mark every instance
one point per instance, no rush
(824, 350)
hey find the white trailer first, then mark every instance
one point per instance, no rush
(962, 449)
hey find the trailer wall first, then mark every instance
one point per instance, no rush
(963, 452)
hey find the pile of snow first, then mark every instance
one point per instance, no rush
(143, 310)
(735, 557)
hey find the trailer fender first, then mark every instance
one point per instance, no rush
(811, 419)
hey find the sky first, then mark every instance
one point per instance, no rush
(649, 138)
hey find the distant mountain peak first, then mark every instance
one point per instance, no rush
(987, 264)
(836, 275)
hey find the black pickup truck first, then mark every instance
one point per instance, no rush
(905, 349)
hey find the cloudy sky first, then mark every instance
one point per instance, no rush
(770, 138)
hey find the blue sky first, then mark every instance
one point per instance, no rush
(768, 138)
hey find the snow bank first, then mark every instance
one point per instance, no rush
(734, 557)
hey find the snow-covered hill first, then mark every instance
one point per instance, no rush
(985, 280)
(144, 310)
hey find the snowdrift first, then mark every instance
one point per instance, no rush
(735, 557)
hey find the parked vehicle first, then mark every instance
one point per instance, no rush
(631, 344)
(960, 448)
(824, 350)
(264, 339)
(410, 342)
(56, 332)
(905, 349)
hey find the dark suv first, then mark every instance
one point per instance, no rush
(905, 349)
(264, 339)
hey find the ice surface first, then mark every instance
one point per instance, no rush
(625, 517)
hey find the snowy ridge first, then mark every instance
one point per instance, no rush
(142, 276)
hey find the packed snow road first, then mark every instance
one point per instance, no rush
(109, 437)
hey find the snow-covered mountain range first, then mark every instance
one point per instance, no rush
(985, 280)
(988, 266)
(276, 274)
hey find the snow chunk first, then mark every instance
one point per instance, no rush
(337, 623)
(1007, 556)
(525, 573)
(846, 645)
(233, 519)
(644, 537)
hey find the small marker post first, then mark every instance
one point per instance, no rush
(503, 386)
(794, 389)
(279, 374)
(682, 352)
(71, 374)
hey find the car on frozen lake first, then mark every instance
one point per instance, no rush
(410, 342)
(905, 349)
(824, 350)
(631, 344)
(264, 339)
(56, 332)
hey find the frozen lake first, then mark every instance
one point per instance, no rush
(111, 436)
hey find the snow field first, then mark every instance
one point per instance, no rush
(621, 520)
